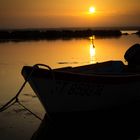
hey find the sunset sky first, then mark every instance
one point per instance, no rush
(68, 13)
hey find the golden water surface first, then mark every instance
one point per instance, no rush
(56, 53)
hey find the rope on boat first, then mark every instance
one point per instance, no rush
(15, 99)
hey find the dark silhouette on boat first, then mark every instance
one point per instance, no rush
(138, 33)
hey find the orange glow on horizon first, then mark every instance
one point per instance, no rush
(43, 14)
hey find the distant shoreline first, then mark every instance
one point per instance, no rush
(53, 34)
(76, 28)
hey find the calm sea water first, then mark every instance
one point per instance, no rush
(17, 122)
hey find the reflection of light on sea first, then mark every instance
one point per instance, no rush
(92, 50)
(92, 53)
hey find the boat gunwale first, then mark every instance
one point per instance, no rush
(81, 77)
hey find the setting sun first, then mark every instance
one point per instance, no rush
(92, 10)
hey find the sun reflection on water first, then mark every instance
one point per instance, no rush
(92, 50)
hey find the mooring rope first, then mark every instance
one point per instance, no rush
(15, 99)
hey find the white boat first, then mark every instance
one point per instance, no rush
(84, 88)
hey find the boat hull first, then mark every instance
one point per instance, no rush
(61, 91)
